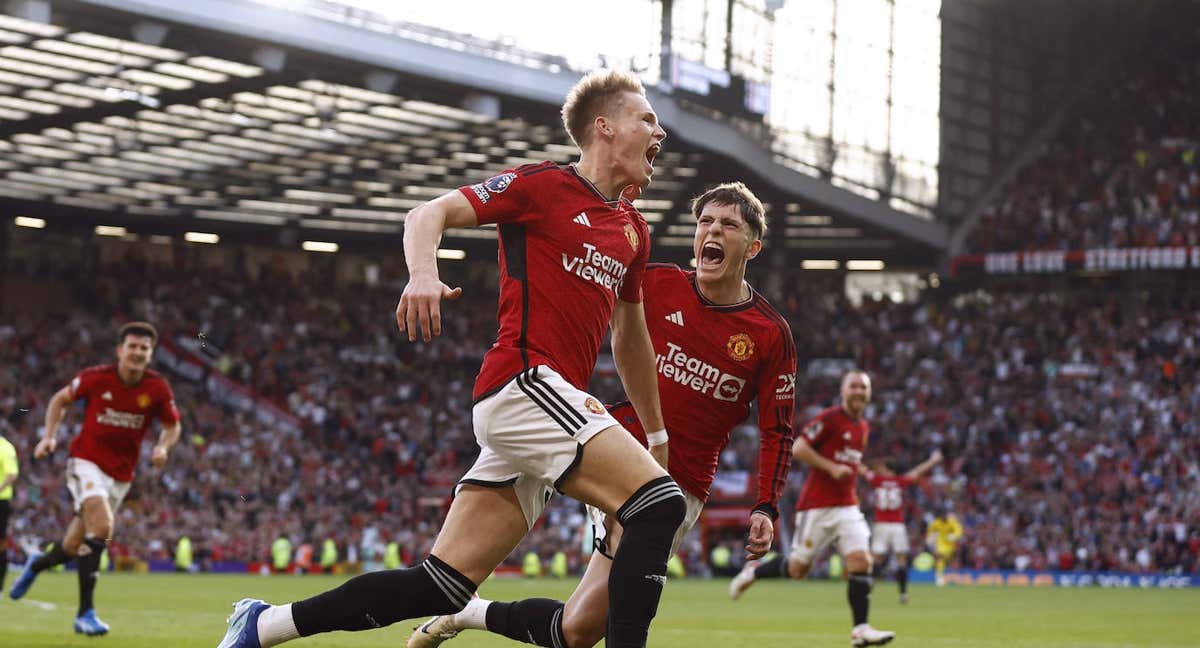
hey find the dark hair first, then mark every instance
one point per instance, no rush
(137, 328)
(740, 196)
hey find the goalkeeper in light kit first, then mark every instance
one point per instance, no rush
(943, 535)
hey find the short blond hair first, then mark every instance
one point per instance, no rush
(594, 95)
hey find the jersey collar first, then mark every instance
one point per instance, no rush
(723, 308)
(592, 188)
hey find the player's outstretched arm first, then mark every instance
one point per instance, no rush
(925, 466)
(633, 353)
(420, 311)
(55, 409)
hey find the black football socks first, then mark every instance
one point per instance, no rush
(88, 566)
(382, 598)
(537, 621)
(858, 591)
(650, 518)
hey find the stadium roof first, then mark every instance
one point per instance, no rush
(163, 126)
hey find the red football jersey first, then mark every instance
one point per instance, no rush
(713, 361)
(117, 416)
(888, 494)
(837, 437)
(566, 254)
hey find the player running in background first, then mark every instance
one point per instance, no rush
(122, 401)
(943, 535)
(832, 445)
(9, 468)
(890, 534)
(720, 346)
(572, 256)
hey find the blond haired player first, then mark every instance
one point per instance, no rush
(712, 320)
(572, 255)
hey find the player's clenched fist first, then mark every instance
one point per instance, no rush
(420, 308)
(762, 534)
(840, 471)
(44, 447)
(158, 456)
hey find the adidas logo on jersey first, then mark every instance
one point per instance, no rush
(675, 318)
(582, 219)
(106, 396)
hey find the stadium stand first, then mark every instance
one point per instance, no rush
(1121, 173)
(1069, 418)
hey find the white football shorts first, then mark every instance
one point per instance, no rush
(889, 537)
(816, 528)
(531, 434)
(85, 479)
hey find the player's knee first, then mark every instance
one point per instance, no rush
(583, 632)
(797, 569)
(657, 508)
(858, 563)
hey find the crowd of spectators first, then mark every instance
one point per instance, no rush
(1070, 421)
(1122, 171)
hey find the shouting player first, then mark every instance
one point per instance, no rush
(122, 400)
(572, 256)
(720, 346)
(832, 445)
(890, 534)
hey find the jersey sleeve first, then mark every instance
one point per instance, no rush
(905, 481)
(776, 404)
(167, 412)
(816, 431)
(83, 384)
(631, 286)
(507, 197)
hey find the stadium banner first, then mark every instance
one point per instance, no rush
(1061, 261)
(1008, 578)
(193, 368)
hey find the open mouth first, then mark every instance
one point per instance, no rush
(711, 255)
(651, 153)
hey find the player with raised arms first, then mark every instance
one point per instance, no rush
(122, 401)
(832, 445)
(890, 534)
(573, 253)
(720, 346)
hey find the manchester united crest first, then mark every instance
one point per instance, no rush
(593, 406)
(631, 235)
(143, 400)
(740, 346)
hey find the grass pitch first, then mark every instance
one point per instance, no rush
(185, 611)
